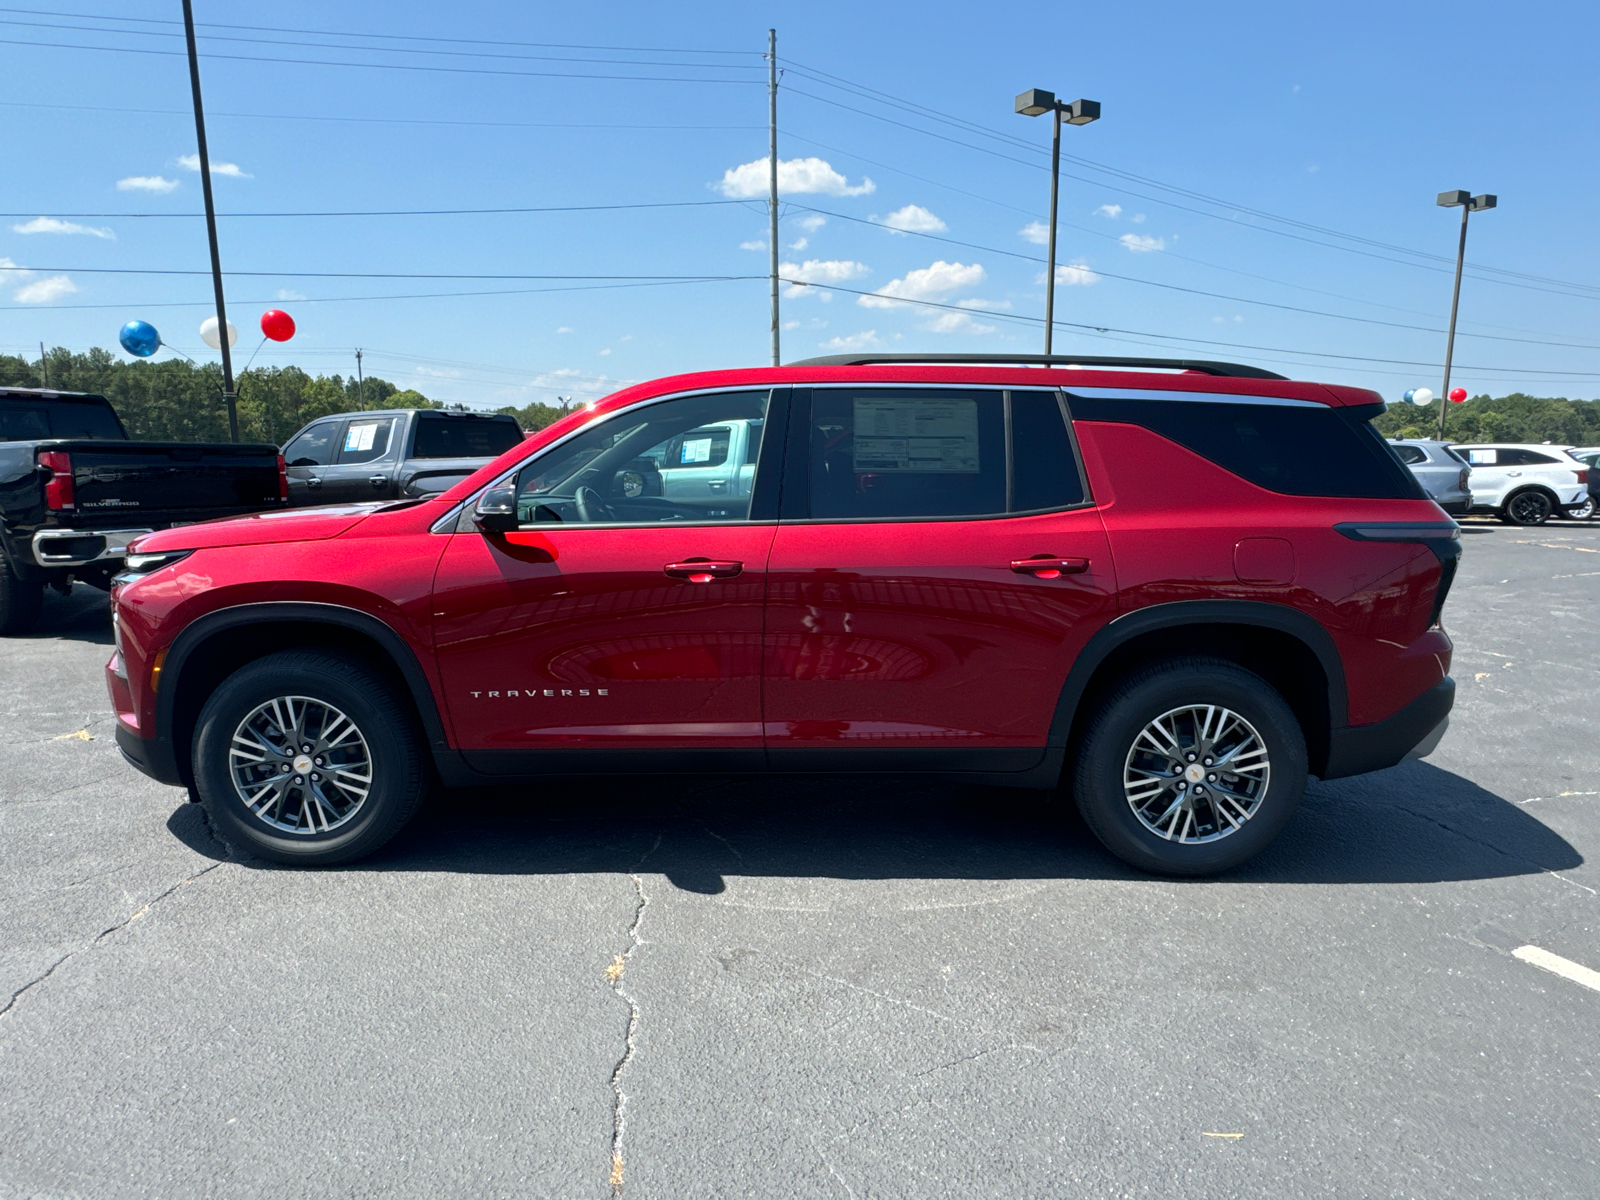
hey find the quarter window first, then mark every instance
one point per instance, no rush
(1410, 455)
(1044, 470)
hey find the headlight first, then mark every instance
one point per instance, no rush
(138, 565)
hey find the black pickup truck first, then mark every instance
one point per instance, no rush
(395, 454)
(74, 491)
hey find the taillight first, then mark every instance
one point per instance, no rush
(1583, 476)
(1466, 474)
(58, 488)
(283, 479)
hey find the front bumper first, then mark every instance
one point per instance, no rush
(1412, 732)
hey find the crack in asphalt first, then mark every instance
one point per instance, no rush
(615, 975)
(1498, 850)
(102, 936)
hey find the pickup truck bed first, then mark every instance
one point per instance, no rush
(69, 505)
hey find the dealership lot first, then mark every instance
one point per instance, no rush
(824, 988)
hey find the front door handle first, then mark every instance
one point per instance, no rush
(377, 480)
(1043, 566)
(314, 481)
(703, 570)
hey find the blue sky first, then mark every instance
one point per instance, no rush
(1287, 158)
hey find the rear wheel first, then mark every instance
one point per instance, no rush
(1584, 511)
(20, 601)
(1528, 508)
(1189, 767)
(308, 758)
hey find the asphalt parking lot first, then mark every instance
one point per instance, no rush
(826, 989)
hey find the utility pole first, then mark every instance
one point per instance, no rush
(1467, 203)
(211, 223)
(772, 176)
(44, 368)
(361, 381)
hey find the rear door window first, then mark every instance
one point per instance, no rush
(315, 447)
(464, 437)
(366, 440)
(1411, 455)
(880, 453)
(1526, 458)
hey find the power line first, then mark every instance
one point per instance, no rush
(394, 212)
(324, 62)
(991, 314)
(179, 112)
(352, 274)
(389, 36)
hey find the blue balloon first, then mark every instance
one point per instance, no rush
(140, 339)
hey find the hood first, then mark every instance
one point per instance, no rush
(260, 529)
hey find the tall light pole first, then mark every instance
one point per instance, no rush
(211, 223)
(772, 176)
(1036, 102)
(1467, 204)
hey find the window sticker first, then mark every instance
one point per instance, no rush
(359, 437)
(1481, 457)
(695, 450)
(916, 436)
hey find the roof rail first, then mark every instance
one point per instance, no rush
(1236, 370)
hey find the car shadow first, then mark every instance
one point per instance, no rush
(84, 615)
(1412, 824)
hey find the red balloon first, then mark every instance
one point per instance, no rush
(1457, 395)
(278, 325)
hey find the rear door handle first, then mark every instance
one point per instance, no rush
(703, 570)
(1045, 567)
(314, 481)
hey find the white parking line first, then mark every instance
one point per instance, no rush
(1555, 964)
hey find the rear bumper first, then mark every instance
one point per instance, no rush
(1355, 750)
(78, 547)
(1455, 507)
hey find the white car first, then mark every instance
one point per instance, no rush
(1523, 484)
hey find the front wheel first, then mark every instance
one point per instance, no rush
(1189, 767)
(307, 757)
(1528, 508)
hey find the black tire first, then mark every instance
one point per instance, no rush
(1581, 512)
(1107, 750)
(386, 727)
(20, 602)
(1530, 507)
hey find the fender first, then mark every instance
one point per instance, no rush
(1264, 615)
(398, 649)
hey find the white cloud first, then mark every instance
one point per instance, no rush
(191, 162)
(1142, 243)
(812, 223)
(1074, 274)
(1109, 210)
(925, 283)
(799, 243)
(564, 329)
(289, 294)
(864, 340)
(819, 271)
(146, 183)
(605, 352)
(627, 337)
(51, 225)
(1239, 317)
(913, 218)
(44, 291)
(957, 322)
(811, 323)
(1137, 218)
(796, 176)
(1036, 232)
(757, 244)
(988, 305)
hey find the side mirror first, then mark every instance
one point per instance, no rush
(497, 510)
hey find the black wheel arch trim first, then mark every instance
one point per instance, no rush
(303, 611)
(1178, 613)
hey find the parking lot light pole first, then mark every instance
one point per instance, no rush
(1468, 204)
(1035, 102)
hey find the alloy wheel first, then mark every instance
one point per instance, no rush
(1196, 774)
(1529, 508)
(300, 765)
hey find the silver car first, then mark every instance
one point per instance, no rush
(1442, 472)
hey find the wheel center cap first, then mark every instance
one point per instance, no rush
(303, 764)
(1194, 772)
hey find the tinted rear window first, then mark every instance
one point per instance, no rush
(1311, 450)
(464, 437)
(59, 419)
(1411, 455)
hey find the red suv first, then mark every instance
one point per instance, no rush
(1170, 589)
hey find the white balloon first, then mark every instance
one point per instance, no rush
(1422, 396)
(208, 333)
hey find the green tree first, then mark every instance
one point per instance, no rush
(1514, 418)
